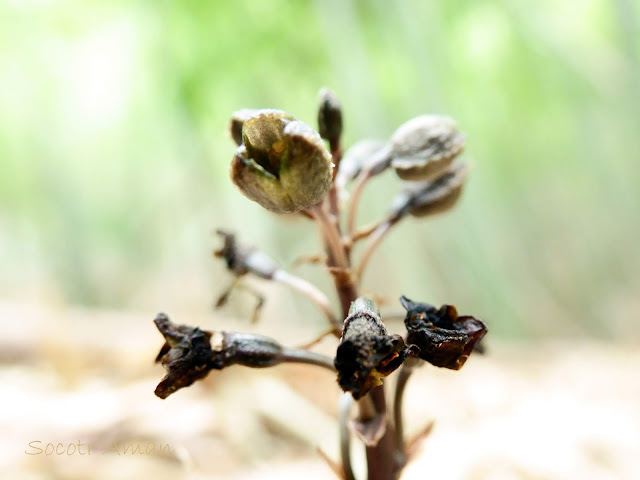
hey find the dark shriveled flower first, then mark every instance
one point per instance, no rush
(425, 146)
(367, 352)
(282, 163)
(444, 338)
(190, 353)
(242, 259)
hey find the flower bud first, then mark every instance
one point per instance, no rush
(424, 147)
(444, 338)
(282, 164)
(441, 194)
(367, 352)
(422, 199)
(329, 116)
(356, 158)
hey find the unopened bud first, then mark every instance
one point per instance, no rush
(329, 116)
(422, 199)
(424, 147)
(356, 158)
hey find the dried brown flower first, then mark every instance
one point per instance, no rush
(190, 353)
(444, 338)
(367, 352)
(242, 259)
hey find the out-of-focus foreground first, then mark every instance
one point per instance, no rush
(524, 412)
(114, 174)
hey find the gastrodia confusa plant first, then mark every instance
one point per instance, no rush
(284, 165)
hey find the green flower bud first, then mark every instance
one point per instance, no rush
(425, 146)
(282, 163)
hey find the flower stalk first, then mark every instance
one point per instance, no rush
(284, 165)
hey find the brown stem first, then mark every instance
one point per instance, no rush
(338, 262)
(375, 239)
(380, 161)
(358, 188)
(403, 377)
(346, 402)
(334, 245)
(380, 458)
(334, 205)
(312, 293)
(345, 288)
(381, 464)
(319, 338)
(295, 355)
(362, 233)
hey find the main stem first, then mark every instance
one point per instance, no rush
(381, 464)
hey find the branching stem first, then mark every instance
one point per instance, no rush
(335, 247)
(374, 240)
(403, 377)
(346, 402)
(334, 204)
(296, 355)
(358, 187)
(312, 292)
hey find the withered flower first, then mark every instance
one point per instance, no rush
(425, 146)
(329, 116)
(282, 163)
(367, 352)
(242, 259)
(190, 353)
(444, 338)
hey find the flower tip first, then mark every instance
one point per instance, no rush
(329, 116)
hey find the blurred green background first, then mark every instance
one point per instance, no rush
(114, 155)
